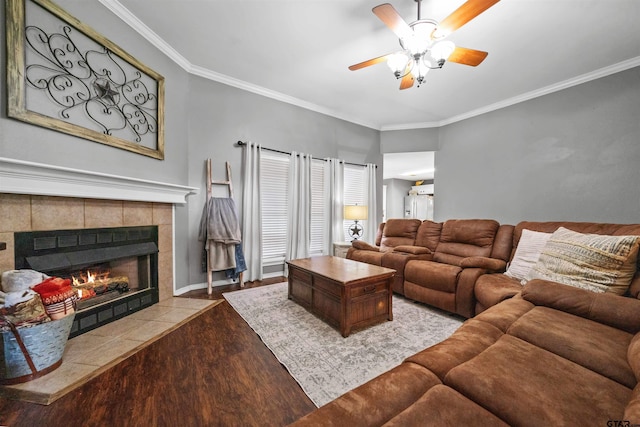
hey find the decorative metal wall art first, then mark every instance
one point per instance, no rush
(63, 75)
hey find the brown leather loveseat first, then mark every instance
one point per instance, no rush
(438, 263)
(467, 249)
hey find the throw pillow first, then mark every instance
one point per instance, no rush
(595, 262)
(527, 253)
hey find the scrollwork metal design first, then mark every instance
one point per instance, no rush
(94, 80)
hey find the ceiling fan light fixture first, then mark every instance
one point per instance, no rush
(422, 45)
(397, 62)
(421, 68)
(419, 40)
(441, 51)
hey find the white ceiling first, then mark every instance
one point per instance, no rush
(298, 51)
(409, 166)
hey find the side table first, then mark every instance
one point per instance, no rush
(340, 249)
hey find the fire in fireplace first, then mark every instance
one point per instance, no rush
(114, 271)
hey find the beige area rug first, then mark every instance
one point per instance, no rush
(90, 354)
(325, 364)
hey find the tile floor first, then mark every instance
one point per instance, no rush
(88, 355)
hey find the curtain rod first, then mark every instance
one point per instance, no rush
(242, 144)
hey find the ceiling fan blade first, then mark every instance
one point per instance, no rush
(472, 57)
(370, 62)
(407, 80)
(392, 19)
(461, 16)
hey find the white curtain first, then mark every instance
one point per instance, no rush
(371, 223)
(334, 195)
(299, 207)
(251, 212)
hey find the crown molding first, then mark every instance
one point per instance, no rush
(141, 28)
(240, 84)
(584, 78)
(130, 19)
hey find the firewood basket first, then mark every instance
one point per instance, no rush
(31, 352)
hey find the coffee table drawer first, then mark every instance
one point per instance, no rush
(371, 288)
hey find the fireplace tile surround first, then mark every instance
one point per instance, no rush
(21, 212)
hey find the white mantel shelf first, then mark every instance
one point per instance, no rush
(21, 177)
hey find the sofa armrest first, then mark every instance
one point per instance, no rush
(359, 244)
(491, 264)
(614, 310)
(414, 250)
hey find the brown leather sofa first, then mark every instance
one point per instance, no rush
(551, 355)
(467, 249)
(490, 289)
(540, 354)
(399, 241)
(438, 263)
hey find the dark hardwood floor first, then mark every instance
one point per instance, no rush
(212, 371)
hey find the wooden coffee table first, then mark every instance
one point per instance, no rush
(346, 294)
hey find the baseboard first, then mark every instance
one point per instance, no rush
(216, 283)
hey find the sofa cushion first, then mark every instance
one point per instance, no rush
(398, 388)
(469, 340)
(428, 234)
(362, 245)
(613, 310)
(442, 406)
(462, 238)
(525, 385)
(398, 232)
(596, 346)
(633, 355)
(504, 314)
(370, 257)
(527, 253)
(490, 289)
(599, 263)
(441, 277)
(632, 411)
(485, 263)
(414, 250)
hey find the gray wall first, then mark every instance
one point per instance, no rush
(220, 115)
(27, 142)
(202, 119)
(410, 140)
(397, 189)
(569, 155)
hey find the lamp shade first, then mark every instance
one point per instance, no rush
(355, 212)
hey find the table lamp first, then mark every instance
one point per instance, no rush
(355, 213)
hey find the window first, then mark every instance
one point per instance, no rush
(354, 191)
(274, 182)
(317, 208)
(274, 170)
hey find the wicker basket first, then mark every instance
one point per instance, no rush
(29, 353)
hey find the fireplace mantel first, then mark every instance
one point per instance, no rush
(22, 177)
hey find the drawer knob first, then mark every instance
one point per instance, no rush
(370, 288)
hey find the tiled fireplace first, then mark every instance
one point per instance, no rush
(113, 270)
(36, 198)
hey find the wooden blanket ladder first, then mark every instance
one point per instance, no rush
(210, 183)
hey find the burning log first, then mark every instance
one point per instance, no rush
(100, 286)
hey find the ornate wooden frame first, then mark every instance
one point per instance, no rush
(76, 81)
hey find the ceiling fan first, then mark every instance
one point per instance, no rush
(423, 44)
